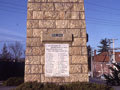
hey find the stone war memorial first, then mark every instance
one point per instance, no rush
(56, 49)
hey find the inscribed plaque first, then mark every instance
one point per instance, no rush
(56, 60)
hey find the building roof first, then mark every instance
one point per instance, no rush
(104, 57)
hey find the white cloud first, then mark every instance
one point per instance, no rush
(11, 35)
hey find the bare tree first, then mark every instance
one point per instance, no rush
(16, 50)
(5, 54)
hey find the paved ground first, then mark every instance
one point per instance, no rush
(5, 88)
(93, 80)
(116, 87)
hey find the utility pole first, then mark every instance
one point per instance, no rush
(113, 56)
(112, 53)
(91, 62)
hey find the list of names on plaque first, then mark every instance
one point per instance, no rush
(56, 60)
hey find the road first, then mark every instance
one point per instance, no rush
(93, 80)
(4, 87)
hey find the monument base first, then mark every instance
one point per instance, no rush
(56, 49)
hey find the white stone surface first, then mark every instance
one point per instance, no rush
(56, 60)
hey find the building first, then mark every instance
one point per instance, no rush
(101, 63)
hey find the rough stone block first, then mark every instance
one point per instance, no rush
(76, 32)
(34, 6)
(36, 69)
(34, 42)
(32, 78)
(79, 42)
(43, 59)
(47, 7)
(40, 0)
(28, 51)
(62, 23)
(65, 1)
(75, 69)
(78, 7)
(58, 0)
(82, 15)
(72, 15)
(45, 79)
(77, 24)
(29, 14)
(76, 0)
(54, 15)
(81, 0)
(46, 23)
(85, 68)
(79, 59)
(70, 60)
(84, 51)
(29, 33)
(75, 50)
(79, 78)
(38, 50)
(57, 80)
(31, 0)
(63, 6)
(43, 68)
(33, 60)
(32, 24)
(37, 15)
(27, 69)
(54, 79)
(38, 32)
(83, 33)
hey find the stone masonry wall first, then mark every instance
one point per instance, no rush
(56, 15)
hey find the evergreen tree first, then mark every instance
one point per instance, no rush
(89, 50)
(114, 77)
(5, 55)
(104, 47)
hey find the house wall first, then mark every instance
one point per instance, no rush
(100, 68)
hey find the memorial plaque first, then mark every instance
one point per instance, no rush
(56, 60)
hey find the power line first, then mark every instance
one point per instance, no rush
(12, 11)
(98, 23)
(102, 22)
(12, 41)
(13, 7)
(98, 5)
(105, 12)
(11, 3)
(101, 19)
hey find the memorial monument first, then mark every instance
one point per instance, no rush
(56, 41)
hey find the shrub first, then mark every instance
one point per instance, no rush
(114, 77)
(71, 86)
(13, 81)
(11, 69)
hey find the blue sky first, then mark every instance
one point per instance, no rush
(102, 20)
